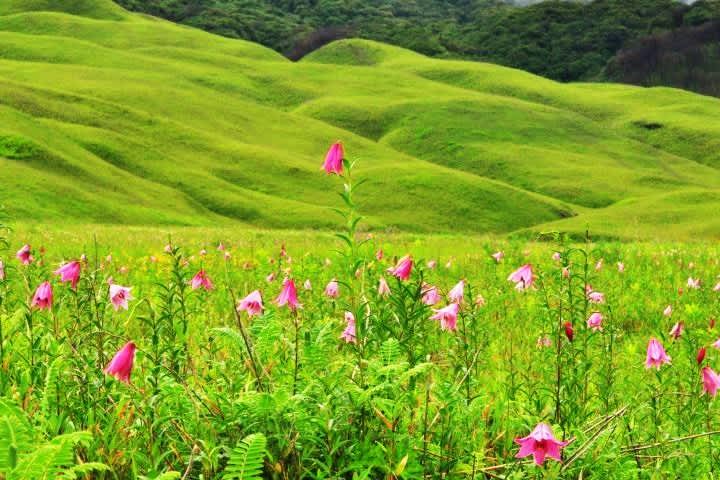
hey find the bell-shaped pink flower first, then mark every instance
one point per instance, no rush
(668, 311)
(403, 268)
(693, 283)
(121, 364)
(2, 271)
(349, 333)
(540, 443)
(656, 356)
(334, 159)
(288, 295)
(431, 264)
(383, 287)
(70, 272)
(201, 280)
(711, 381)
(595, 321)
(522, 277)
(566, 272)
(270, 277)
(498, 256)
(431, 296)
(120, 296)
(596, 297)
(621, 267)
(716, 288)
(599, 265)
(447, 317)
(43, 297)
(556, 256)
(379, 255)
(332, 289)
(677, 330)
(252, 304)
(457, 293)
(24, 255)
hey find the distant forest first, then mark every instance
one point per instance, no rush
(646, 42)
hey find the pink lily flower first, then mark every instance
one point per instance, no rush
(656, 356)
(288, 295)
(522, 277)
(252, 304)
(677, 330)
(457, 293)
(201, 279)
(120, 296)
(430, 295)
(595, 321)
(43, 297)
(121, 364)
(24, 255)
(540, 443)
(596, 297)
(349, 334)
(334, 159)
(711, 381)
(498, 256)
(332, 290)
(403, 268)
(447, 317)
(70, 272)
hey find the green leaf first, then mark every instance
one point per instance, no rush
(247, 459)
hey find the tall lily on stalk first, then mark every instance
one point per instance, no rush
(353, 259)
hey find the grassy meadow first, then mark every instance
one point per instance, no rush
(219, 393)
(117, 118)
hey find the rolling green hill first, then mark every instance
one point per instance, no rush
(112, 117)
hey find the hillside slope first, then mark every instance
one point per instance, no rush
(112, 117)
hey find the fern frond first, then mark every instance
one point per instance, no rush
(51, 394)
(16, 435)
(50, 461)
(246, 460)
(79, 471)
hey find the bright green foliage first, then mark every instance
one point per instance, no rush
(246, 459)
(407, 400)
(133, 120)
(21, 458)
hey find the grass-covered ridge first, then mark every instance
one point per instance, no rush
(112, 117)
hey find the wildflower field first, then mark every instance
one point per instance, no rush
(237, 354)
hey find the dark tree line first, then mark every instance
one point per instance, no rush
(563, 40)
